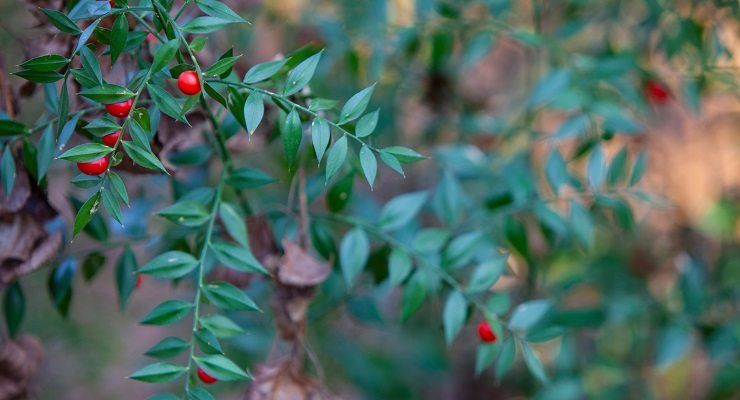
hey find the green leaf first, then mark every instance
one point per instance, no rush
(505, 358)
(92, 264)
(107, 93)
(430, 240)
(399, 266)
(167, 312)
(219, 10)
(234, 223)
(320, 136)
(369, 164)
(638, 169)
(299, 76)
(86, 152)
(47, 63)
(582, 224)
(12, 128)
(204, 25)
(61, 21)
(237, 257)
(319, 104)
(170, 265)
(228, 297)
(335, 158)
(548, 87)
(391, 161)
(403, 154)
(484, 356)
(454, 314)
(292, 133)
(222, 66)
(254, 109)
(400, 210)
(199, 394)
(118, 186)
(221, 368)
(413, 297)
(86, 212)
(167, 348)
(158, 372)
(45, 153)
(617, 168)
(110, 203)
(366, 125)
(353, 254)
(596, 169)
(208, 342)
(118, 37)
(221, 326)
(186, 213)
(356, 105)
(461, 249)
(143, 157)
(125, 276)
(14, 307)
(556, 171)
(486, 274)
(264, 71)
(249, 178)
(528, 314)
(86, 34)
(102, 126)
(39, 77)
(574, 126)
(164, 54)
(533, 363)
(166, 102)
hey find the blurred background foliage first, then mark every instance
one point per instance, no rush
(594, 141)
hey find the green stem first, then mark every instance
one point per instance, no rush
(295, 105)
(201, 266)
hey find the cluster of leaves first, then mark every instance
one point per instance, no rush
(490, 208)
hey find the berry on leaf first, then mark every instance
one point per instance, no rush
(95, 167)
(485, 333)
(110, 140)
(189, 83)
(205, 378)
(121, 109)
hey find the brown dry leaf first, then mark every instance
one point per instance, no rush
(282, 381)
(298, 268)
(20, 361)
(24, 243)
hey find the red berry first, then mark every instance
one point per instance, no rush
(139, 281)
(95, 167)
(110, 140)
(656, 92)
(485, 333)
(205, 378)
(189, 83)
(121, 109)
(151, 38)
(112, 3)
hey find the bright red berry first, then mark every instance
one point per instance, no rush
(95, 167)
(189, 83)
(112, 3)
(151, 38)
(656, 92)
(110, 140)
(485, 333)
(205, 378)
(121, 109)
(139, 281)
